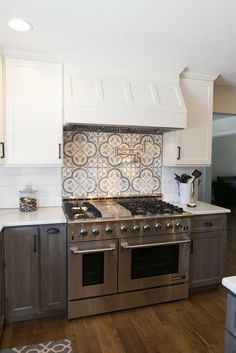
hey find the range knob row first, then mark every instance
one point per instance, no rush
(135, 228)
(95, 231)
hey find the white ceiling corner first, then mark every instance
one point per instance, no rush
(197, 34)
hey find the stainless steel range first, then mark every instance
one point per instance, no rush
(124, 253)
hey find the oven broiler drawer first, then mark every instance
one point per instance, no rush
(92, 269)
(153, 261)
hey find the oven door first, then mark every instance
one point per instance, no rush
(153, 261)
(92, 269)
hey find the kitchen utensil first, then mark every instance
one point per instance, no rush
(185, 177)
(178, 178)
(196, 173)
(190, 180)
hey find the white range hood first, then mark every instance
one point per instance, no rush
(123, 96)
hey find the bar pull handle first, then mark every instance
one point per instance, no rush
(208, 224)
(126, 245)
(53, 231)
(3, 150)
(178, 152)
(59, 150)
(35, 242)
(75, 250)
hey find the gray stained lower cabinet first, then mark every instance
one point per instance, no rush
(207, 250)
(2, 315)
(230, 332)
(35, 271)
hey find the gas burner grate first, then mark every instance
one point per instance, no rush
(150, 207)
(81, 210)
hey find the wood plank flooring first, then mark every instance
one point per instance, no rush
(194, 325)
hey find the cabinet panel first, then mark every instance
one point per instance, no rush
(53, 267)
(21, 253)
(2, 149)
(231, 314)
(207, 258)
(33, 112)
(195, 141)
(208, 223)
(230, 343)
(1, 285)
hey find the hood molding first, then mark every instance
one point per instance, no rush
(122, 94)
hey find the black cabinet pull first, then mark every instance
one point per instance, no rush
(3, 150)
(179, 150)
(53, 231)
(35, 243)
(191, 247)
(59, 150)
(208, 224)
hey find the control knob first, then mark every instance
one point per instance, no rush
(123, 229)
(178, 225)
(95, 231)
(169, 225)
(83, 232)
(146, 227)
(158, 226)
(108, 230)
(135, 228)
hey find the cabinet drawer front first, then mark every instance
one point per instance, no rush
(230, 343)
(208, 223)
(231, 314)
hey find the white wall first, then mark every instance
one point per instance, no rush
(224, 99)
(224, 156)
(47, 180)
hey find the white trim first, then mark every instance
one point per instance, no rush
(31, 56)
(199, 75)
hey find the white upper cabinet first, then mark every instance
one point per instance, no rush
(123, 94)
(2, 145)
(192, 146)
(33, 112)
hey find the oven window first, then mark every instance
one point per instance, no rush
(154, 261)
(93, 269)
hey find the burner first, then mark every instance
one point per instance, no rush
(150, 207)
(81, 210)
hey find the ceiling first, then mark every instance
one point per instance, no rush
(199, 34)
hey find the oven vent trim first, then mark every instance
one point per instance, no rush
(117, 128)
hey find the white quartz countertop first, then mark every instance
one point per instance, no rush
(230, 283)
(52, 215)
(45, 215)
(203, 208)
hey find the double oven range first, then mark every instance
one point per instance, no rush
(124, 253)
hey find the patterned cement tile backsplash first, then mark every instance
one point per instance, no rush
(111, 164)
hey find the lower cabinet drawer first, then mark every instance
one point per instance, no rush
(231, 314)
(230, 343)
(208, 223)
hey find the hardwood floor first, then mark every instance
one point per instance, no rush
(194, 325)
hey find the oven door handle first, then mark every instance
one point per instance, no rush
(75, 250)
(125, 245)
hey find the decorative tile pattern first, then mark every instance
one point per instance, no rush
(110, 164)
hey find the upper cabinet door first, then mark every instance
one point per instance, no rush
(192, 146)
(2, 150)
(33, 116)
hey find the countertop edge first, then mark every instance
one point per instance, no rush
(44, 215)
(230, 283)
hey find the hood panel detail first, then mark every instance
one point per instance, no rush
(123, 95)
